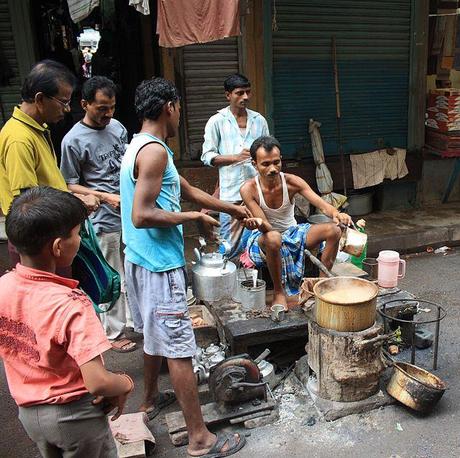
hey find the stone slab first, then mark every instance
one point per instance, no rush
(333, 410)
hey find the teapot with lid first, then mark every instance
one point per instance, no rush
(213, 275)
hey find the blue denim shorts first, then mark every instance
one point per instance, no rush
(159, 308)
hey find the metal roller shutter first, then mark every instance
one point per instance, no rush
(205, 66)
(10, 95)
(373, 46)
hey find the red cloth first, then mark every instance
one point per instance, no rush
(185, 22)
(47, 330)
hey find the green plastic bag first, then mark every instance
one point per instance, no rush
(358, 260)
(99, 280)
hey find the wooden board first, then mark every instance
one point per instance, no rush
(244, 333)
(213, 413)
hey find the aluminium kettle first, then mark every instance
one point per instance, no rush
(213, 276)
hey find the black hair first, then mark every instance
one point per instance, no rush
(267, 142)
(45, 76)
(41, 214)
(234, 81)
(151, 95)
(98, 83)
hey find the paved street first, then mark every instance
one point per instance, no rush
(376, 434)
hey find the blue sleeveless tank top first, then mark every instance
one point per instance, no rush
(156, 249)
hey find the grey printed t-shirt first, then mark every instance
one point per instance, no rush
(92, 158)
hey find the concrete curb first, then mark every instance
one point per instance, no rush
(414, 241)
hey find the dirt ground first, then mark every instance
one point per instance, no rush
(392, 431)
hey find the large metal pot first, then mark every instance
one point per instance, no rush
(213, 277)
(415, 387)
(345, 303)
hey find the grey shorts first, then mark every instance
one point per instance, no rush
(159, 308)
(77, 429)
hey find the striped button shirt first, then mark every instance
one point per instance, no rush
(223, 136)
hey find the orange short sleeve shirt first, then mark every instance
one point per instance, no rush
(48, 328)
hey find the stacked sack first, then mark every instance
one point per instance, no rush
(443, 122)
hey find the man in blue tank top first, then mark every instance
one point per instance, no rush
(151, 189)
(277, 241)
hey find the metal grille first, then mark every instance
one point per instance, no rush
(205, 68)
(373, 45)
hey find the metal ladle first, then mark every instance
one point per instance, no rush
(319, 264)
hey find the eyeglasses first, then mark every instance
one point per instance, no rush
(66, 105)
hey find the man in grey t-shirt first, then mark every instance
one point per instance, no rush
(91, 157)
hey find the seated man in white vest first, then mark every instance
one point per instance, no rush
(277, 241)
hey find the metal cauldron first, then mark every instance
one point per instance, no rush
(415, 387)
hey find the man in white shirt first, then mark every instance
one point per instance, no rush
(228, 136)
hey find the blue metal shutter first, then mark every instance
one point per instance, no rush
(373, 44)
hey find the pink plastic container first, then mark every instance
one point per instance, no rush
(391, 268)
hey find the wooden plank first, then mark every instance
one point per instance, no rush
(234, 421)
(417, 76)
(213, 413)
(253, 52)
(168, 57)
(262, 421)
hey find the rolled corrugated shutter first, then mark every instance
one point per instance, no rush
(205, 68)
(373, 45)
(10, 94)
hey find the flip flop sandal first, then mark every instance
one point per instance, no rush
(164, 399)
(224, 438)
(123, 345)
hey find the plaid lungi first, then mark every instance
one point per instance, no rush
(293, 241)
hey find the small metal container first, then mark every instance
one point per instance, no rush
(267, 371)
(252, 297)
(371, 266)
(241, 276)
(278, 313)
(353, 242)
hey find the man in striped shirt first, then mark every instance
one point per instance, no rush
(228, 136)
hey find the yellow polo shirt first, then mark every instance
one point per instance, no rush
(27, 158)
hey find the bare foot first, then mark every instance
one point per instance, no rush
(280, 298)
(159, 401)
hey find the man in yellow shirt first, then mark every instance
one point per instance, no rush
(27, 156)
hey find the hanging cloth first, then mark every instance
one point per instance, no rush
(323, 175)
(81, 9)
(141, 5)
(370, 169)
(185, 22)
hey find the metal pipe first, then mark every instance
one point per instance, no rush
(262, 356)
(436, 340)
(338, 113)
(412, 356)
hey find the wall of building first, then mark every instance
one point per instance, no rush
(433, 182)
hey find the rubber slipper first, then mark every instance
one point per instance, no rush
(223, 438)
(164, 399)
(123, 345)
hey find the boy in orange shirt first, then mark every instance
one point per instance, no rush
(50, 338)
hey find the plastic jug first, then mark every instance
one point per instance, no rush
(391, 268)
